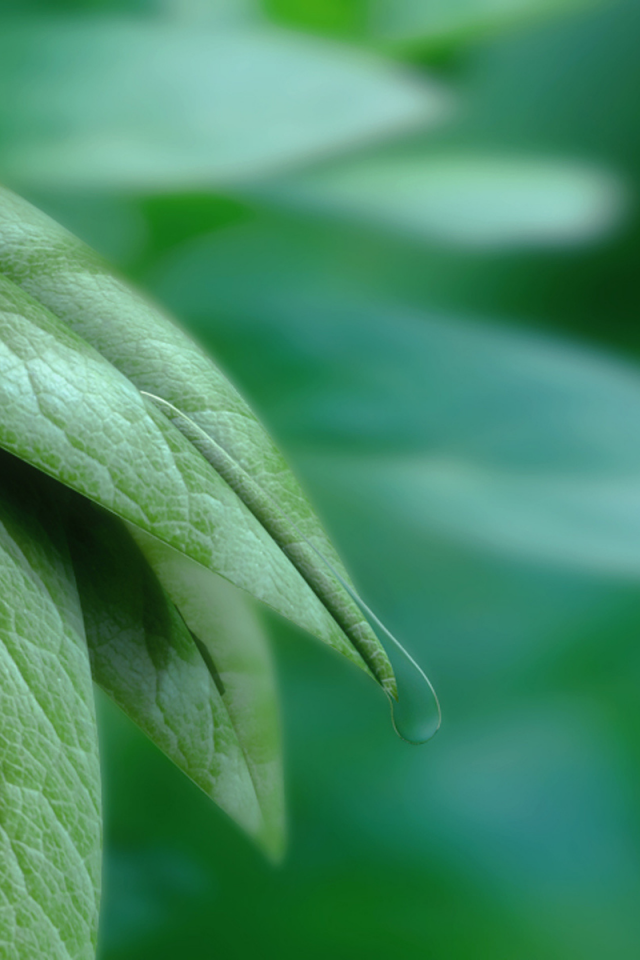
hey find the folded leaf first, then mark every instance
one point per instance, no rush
(69, 413)
(156, 356)
(50, 826)
(145, 658)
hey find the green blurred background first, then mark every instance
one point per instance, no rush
(408, 231)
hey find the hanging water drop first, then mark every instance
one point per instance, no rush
(416, 713)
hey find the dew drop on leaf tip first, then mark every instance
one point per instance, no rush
(416, 714)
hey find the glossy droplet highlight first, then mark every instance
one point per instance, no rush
(416, 714)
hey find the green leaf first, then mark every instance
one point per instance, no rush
(71, 414)
(152, 105)
(145, 658)
(50, 825)
(232, 642)
(461, 199)
(89, 427)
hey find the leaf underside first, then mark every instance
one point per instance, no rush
(50, 818)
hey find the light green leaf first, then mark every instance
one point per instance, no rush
(89, 427)
(144, 657)
(462, 200)
(154, 105)
(72, 415)
(50, 824)
(232, 642)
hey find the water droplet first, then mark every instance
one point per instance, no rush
(416, 713)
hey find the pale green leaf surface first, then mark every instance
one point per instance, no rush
(50, 816)
(144, 657)
(151, 105)
(156, 356)
(463, 200)
(232, 641)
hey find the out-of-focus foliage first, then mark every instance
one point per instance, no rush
(414, 23)
(461, 199)
(155, 105)
(440, 324)
(496, 437)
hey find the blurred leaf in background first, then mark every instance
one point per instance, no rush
(464, 199)
(409, 232)
(153, 105)
(414, 24)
